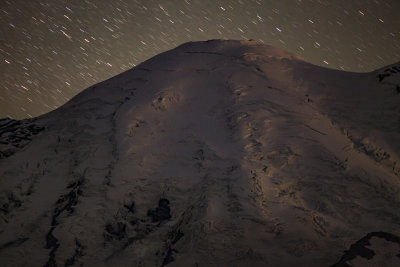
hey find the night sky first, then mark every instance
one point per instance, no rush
(53, 49)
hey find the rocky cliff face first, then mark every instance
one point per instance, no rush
(218, 153)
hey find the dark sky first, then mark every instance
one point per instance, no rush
(52, 49)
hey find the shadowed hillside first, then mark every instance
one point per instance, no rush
(217, 153)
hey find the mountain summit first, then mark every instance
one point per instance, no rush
(217, 153)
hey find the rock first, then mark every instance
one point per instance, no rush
(162, 212)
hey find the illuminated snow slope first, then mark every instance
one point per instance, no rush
(218, 153)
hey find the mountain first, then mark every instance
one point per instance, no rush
(217, 153)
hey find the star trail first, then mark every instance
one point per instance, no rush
(52, 50)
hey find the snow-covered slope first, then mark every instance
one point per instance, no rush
(218, 153)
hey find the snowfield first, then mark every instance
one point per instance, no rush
(217, 153)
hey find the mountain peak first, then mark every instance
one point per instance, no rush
(235, 48)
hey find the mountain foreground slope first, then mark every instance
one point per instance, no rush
(217, 153)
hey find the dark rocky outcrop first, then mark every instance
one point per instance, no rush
(77, 254)
(116, 230)
(360, 248)
(388, 72)
(15, 135)
(162, 212)
(65, 203)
